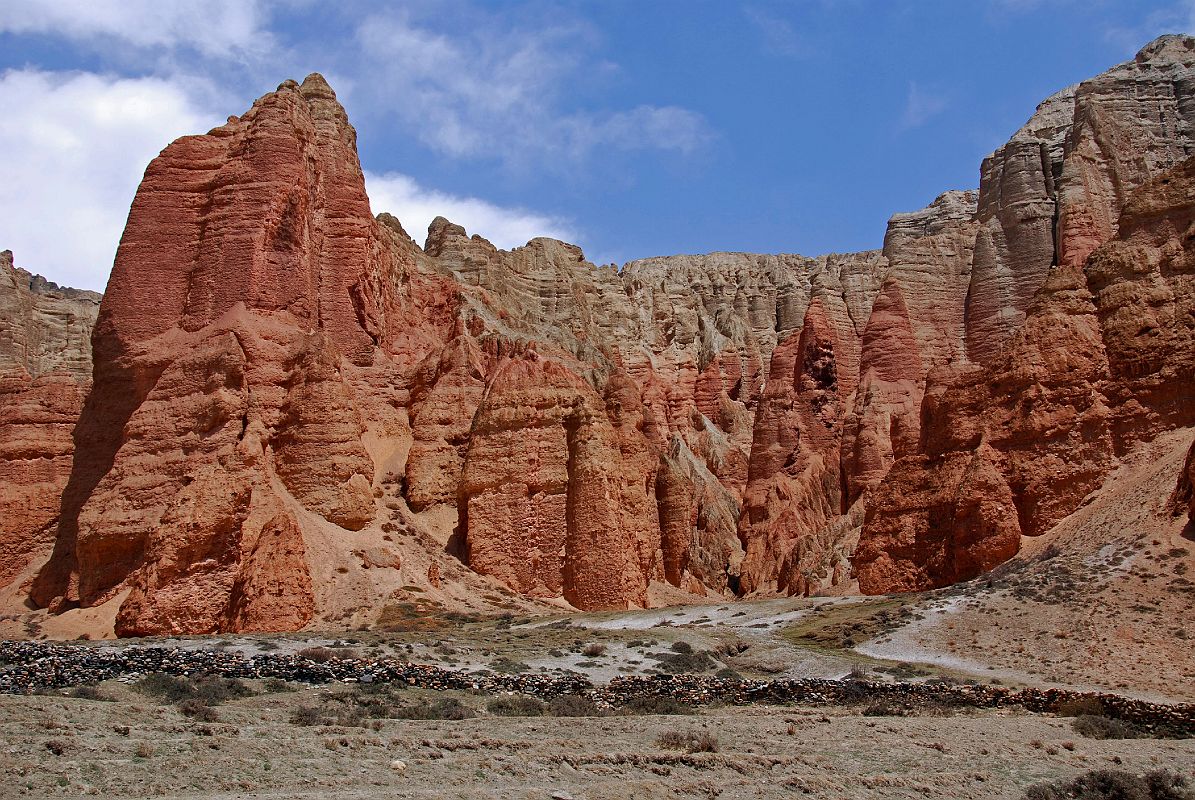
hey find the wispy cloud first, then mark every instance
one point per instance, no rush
(73, 147)
(921, 106)
(213, 27)
(416, 206)
(1178, 17)
(504, 93)
(776, 33)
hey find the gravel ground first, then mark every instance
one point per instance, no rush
(132, 746)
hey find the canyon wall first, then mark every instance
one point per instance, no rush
(1011, 445)
(45, 371)
(298, 414)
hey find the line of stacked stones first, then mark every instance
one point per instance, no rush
(27, 667)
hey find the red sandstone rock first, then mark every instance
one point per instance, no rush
(1014, 246)
(1183, 499)
(270, 361)
(1104, 360)
(1129, 124)
(211, 391)
(37, 416)
(1144, 291)
(45, 372)
(551, 507)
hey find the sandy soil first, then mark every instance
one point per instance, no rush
(1103, 600)
(133, 747)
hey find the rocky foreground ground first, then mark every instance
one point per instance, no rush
(739, 701)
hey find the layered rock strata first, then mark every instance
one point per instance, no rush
(283, 383)
(45, 371)
(1105, 360)
(246, 289)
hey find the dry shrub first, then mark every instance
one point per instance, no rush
(885, 708)
(89, 691)
(689, 741)
(1107, 784)
(198, 710)
(516, 705)
(319, 654)
(649, 704)
(1098, 727)
(573, 705)
(207, 689)
(442, 708)
(308, 716)
(1080, 707)
(733, 648)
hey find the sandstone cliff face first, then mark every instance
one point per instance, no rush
(1054, 193)
(1130, 123)
(45, 371)
(1182, 501)
(1014, 246)
(284, 383)
(220, 410)
(1102, 357)
(1184, 492)
(44, 327)
(1104, 360)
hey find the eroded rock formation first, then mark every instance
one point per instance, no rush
(45, 370)
(221, 410)
(284, 384)
(1104, 360)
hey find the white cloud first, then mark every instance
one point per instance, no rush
(777, 34)
(921, 106)
(73, 148)
(213, 27)
(486, 92)
(416, 206)
(1178, 17)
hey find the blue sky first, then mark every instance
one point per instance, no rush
(631, 128)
